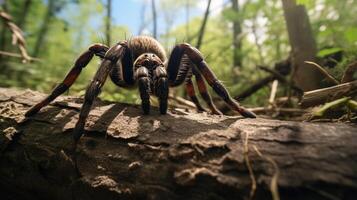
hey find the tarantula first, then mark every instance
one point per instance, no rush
(142, 61)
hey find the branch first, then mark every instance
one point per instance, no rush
(17, 37)
(324, 72)
(324, 95)
(5, 53)
(282, 79)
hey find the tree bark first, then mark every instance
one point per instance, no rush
(303, 45)
(125, 155)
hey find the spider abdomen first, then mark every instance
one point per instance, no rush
(146, 44)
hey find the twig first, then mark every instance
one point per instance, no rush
(253, 88)
(17, 37)
(324, 72)
(274, 180)
(182, 101)
(274, 89)
(17, 55)
(349, 72)
(281, 67)
(278, 110)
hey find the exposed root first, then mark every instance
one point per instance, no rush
(274, 180)
(249, 166)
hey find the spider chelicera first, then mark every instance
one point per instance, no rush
(141, 61)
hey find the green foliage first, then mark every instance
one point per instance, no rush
(351, 35)
(307, 3)
(328, 51)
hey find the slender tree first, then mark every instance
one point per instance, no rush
(187, 10)
(44, 27)
(154, 18)
(303, 45)
(24, 14)
(108, 22)
(237, 31)
(203, 25)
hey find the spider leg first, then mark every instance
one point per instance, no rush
(161, 86)
(81, 62)
(192, 94)
(110, 58)
(144, 83)
(179, 67)
(122, 73)
(196, 57)
(184, 72)
(203, 92)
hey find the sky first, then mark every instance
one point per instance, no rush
(130, 14)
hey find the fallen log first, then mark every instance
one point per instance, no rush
(125, 155)
(321, 96)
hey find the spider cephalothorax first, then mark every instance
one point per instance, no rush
(152, 79)
(142, 61)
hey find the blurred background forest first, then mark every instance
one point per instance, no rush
(236, 36)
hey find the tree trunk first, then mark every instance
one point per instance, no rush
(187, 12)
(108, 23)
(201, 33)
(303, 45)
(154, 18)
(24, 14)
(125, 155)
(44, 28)
(237, 42)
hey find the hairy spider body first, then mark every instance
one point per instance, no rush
(141, 61)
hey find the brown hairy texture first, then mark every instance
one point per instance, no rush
(146, 44)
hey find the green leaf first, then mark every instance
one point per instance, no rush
(329, 51)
